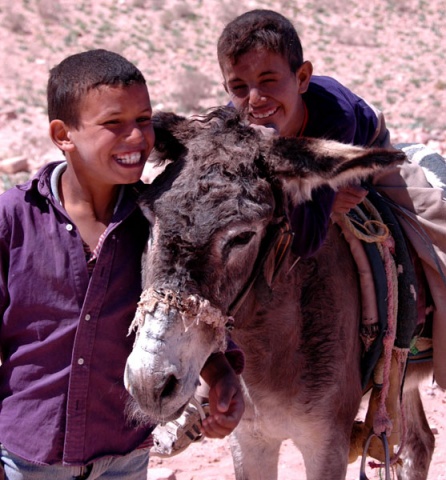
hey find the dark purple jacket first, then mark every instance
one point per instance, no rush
(334, 113)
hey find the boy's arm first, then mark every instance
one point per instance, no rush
(381, 136)
(310, 221)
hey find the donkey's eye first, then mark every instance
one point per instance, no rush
(241, 239)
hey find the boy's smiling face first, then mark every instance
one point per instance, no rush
(262, 84)
(114, 137)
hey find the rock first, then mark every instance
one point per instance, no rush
(9, 115)
(14, 165)
(161, 474)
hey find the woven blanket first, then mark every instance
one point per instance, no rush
(432, 163)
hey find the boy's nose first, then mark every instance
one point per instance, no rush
(135, 134)
(256, 97)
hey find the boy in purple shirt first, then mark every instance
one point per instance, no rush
(265, 75)
(71, 241)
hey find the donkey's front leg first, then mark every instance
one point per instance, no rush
(326, 455)
(254, 456)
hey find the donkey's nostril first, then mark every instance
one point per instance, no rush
(169, 386)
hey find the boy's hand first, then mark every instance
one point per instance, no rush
(348, 197)
(225, 398)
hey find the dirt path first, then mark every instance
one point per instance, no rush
(211, 459)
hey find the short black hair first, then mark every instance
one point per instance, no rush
(74, 77)
(260, 29)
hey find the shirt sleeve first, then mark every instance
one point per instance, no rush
(310, 221)
(336, 113)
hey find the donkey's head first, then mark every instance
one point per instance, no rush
(210, 212)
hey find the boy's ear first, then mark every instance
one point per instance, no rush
(60, 135)
(303, 76)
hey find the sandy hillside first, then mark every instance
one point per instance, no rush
(389, 51)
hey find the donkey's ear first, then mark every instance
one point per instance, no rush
(304, 164)
(169, 144)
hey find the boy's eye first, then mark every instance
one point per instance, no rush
(239, 90)
(111, 122)
(144, 120)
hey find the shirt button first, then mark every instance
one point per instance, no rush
(87, 317)
(80, 361)
(69, 227)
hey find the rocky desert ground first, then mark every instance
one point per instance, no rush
(211, 459)
(391, 52)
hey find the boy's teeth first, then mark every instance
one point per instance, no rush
(130, 158)
(264, 115)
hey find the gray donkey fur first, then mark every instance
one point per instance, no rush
(211, 211)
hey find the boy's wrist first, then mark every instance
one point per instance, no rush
(216, 366)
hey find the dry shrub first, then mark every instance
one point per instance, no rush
(15, 22)
(49, 10)
(152, 4)
(229, 10)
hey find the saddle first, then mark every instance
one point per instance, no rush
(394, 328)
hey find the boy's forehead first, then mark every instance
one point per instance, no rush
(119, 89)
(256, 61)
(117, 92)
(115, 98)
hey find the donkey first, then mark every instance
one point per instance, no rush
(216, 212)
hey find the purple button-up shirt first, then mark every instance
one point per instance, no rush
(63, 335)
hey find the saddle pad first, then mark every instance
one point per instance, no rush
(408, 317)
(407, 279)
